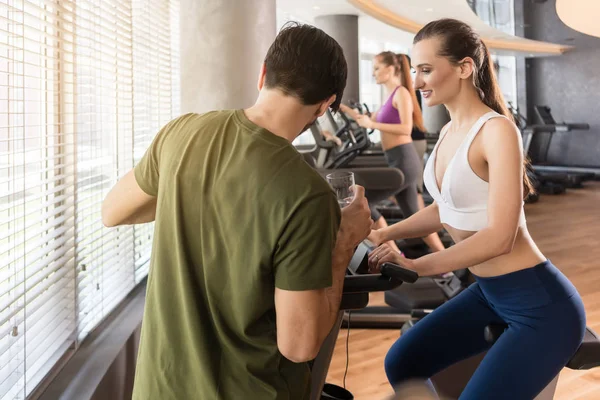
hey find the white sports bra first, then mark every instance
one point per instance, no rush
(463, 197)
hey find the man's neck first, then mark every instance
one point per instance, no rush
(281, 115)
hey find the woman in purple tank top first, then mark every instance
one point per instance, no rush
(396, 120)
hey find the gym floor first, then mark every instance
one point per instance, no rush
(567, 229)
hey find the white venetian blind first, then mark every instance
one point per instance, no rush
(84, 87)
(104, 115)
(155, 55)
(37, 318)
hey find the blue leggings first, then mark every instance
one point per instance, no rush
(546, 324)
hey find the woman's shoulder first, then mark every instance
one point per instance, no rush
(500, 132)
(402, 94)
(402, 91)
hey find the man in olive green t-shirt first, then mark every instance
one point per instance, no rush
(250, 246)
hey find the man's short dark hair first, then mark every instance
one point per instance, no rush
(306, 63)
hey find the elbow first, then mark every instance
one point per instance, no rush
(504, 245)
(299, 353)
(404, 131)
(300, 346)
(506, 249)
(108, 223)
(107, 219)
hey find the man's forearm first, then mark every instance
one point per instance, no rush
(143, 215)
(342, 255)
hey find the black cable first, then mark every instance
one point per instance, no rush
(347, 354)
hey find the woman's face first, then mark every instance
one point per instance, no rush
(436, 78)
(381, 72)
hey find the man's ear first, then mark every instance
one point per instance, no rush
(325, 105)
(467, 68)
(261, 77)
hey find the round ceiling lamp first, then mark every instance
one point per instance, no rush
(580, 15)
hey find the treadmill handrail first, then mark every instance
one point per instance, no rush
(557, 128)
(397, 272)
(319, 140)
(344, 127)
(391, 276)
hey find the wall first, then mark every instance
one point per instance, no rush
(568, 84)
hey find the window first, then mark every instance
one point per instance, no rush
(84, 87)
(370, 91)
(500, 14)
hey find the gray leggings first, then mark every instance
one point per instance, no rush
(406, 159)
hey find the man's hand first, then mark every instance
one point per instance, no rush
(385, 253)
(356, 220)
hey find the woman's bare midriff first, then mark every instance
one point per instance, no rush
(525, 254)
(389, 140)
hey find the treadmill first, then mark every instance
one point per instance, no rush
(551, 179)
(409, 302)
(358, 283)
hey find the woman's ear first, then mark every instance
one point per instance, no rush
(467, 68)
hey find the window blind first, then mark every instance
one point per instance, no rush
(155, 55)
(84, 87)
(37, 318)
(104, 120)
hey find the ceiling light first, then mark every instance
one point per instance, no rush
(429, 10)
(316, 8)
(581, 15)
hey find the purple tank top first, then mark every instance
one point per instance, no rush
(387, 113)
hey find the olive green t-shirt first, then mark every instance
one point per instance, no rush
(239, 213)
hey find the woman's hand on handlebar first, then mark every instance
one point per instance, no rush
(365, 122)
(386, 254)
(375, 237)
(329, 137)
(349, 111)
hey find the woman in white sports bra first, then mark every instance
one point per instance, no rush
(476, 176)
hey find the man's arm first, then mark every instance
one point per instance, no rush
(127, 204)
(305, 311)
(305, 318)
(133, 199)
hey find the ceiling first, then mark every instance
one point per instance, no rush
(396, 21)
(369, 28)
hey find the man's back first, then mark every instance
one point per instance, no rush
(239, 213)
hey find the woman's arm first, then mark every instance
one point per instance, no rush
(350, 111)
(403, 103)
(503, 152)
(418, 225)
(330, 137)
(374, 116)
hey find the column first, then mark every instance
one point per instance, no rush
(344, 29)
(435, 117)
(223, 44)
